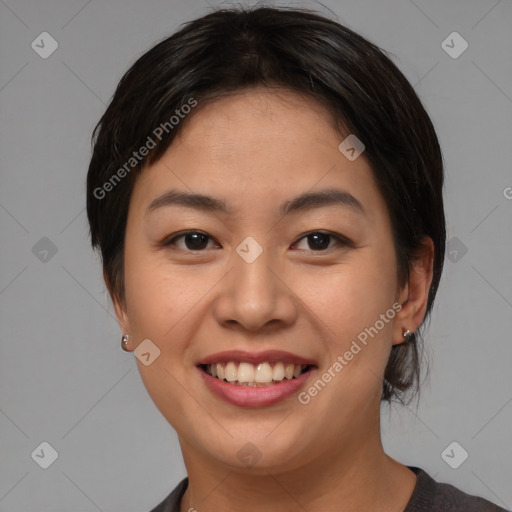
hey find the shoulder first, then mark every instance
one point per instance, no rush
(430, 495)
(173, 501)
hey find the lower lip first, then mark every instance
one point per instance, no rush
(247, 396)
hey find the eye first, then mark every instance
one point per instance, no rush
(197, 241)
(192, 241)
(320, 241)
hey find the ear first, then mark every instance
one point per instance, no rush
(414, 295)
(119, 306)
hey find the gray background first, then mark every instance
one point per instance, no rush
(63, 376)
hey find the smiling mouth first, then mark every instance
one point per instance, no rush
(242, 373)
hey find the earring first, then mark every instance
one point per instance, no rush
(124, 342)
(407, 335)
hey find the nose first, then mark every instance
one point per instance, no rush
(255, 297)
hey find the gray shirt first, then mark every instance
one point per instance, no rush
(428, 496)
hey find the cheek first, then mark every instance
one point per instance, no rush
(357, 339)
(157, 298)
(350, 300)
(355, 293)
(158, 305)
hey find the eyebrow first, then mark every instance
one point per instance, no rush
(304, 202)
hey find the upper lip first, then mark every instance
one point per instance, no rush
(255, 357)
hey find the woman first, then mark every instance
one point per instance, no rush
(266, 193)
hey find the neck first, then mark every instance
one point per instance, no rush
(356, 475)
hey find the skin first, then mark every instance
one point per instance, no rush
(254, 150)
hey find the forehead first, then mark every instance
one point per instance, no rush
(247, 120)
(256, 148)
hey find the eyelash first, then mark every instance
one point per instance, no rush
(339, 239)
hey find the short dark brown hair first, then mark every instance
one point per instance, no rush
(232, 49)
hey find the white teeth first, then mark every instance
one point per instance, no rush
(248, 374)
(278, 371)
(263, 373)
(218, 370)
(231, 372)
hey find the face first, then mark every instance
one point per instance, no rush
(264, 281)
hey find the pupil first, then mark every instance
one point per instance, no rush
(195, 241)
(321, 240)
